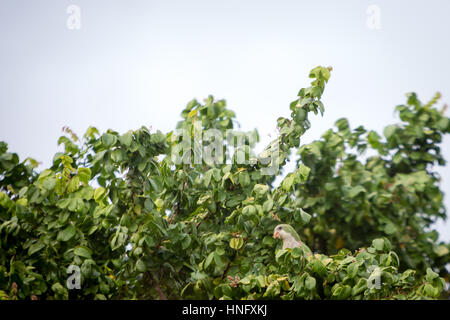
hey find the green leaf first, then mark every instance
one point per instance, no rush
(67, 233)
(218, 260)
(23, 192)
(273, 290)
(208, 260)
(301, 113)
(22, 202)
(389, 131)
(443, 124)
(127, 138)
(108, 140)
(352, 269)
(390, 228)
(216, 174)
(319, 268)
(431, 275)
(35, 247)
(148, 204)
(288, 182)
(186, 242)
(141, 266)
(268, 241)
(374, 139)
(91, 132)
(76, 205)
(306, 217)
(304, 172)
(87, 193)
(74, 184)
(49, 184)
(157, 184)
(322, 73)
(45, 173)
(378, 244)
(58, 288)
(207, 177)
(268, 205)
(441, 250)
(226, 168)
(430, 290)
(297, 253)
(355, 191)
(118, 155)
(310, 283)
(84, 175)
(260, 189)
(83, 251)
(99, 194)
(244, 178)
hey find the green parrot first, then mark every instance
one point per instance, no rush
(290, 238)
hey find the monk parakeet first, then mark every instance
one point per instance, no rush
(290, 238)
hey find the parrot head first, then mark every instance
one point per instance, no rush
(285, 232)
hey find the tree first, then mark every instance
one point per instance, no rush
(139, 223)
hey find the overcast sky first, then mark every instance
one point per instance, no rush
(124, 64)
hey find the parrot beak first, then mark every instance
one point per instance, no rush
(276, 235)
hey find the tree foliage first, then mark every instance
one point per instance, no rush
(140, 226)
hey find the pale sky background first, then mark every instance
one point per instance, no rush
(135, 63)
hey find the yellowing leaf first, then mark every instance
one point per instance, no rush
(192, 114)
(236, 243)
(99, 194)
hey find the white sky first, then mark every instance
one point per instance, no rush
(138, 62)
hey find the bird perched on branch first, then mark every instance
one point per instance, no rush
(290, 238)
